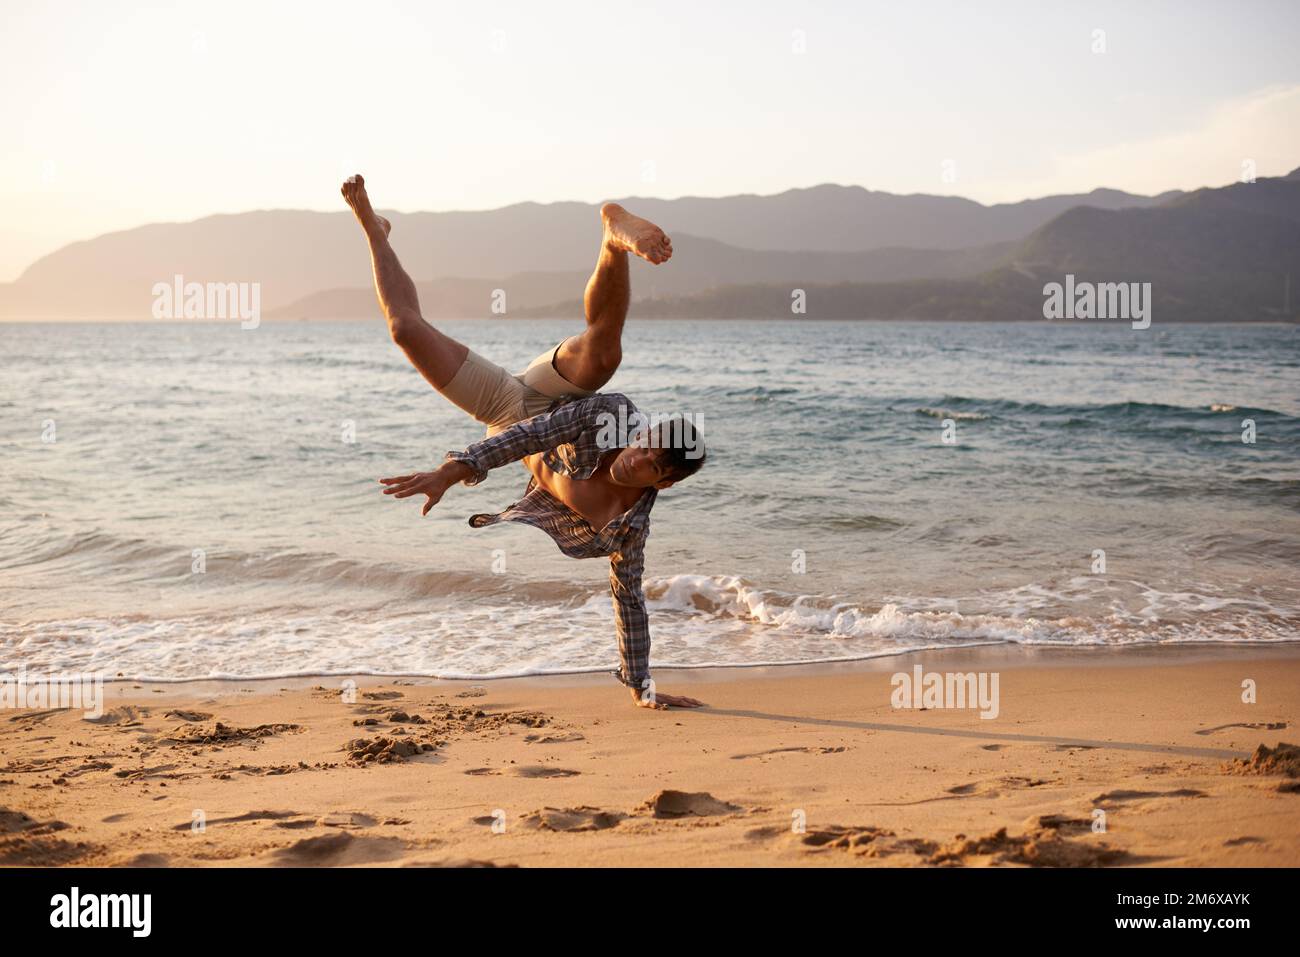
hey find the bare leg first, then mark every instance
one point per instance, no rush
(589, 359)
(438, 357)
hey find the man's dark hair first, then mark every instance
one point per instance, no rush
(681, 446)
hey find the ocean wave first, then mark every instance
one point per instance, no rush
(1124, 409)
(1026, 614)
(699, 621)
(143, 560)
(949, 414)
(87, 546)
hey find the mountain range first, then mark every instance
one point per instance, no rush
(1213, 254)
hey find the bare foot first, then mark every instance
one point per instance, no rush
(354, 191)
(635, 235)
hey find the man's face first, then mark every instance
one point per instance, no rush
(640, 467)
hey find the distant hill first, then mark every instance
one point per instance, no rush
(697, 265)
(310, 264)
(853, 218)
(1228, 254)
(1212, 254)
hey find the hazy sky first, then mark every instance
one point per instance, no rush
(116, 114)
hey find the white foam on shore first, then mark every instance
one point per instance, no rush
(697, 621)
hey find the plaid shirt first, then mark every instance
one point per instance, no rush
(569, 438)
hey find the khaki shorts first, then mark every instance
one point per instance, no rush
(499, 400)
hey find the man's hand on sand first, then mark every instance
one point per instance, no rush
(662, 702)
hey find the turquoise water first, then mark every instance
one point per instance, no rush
(208, 504)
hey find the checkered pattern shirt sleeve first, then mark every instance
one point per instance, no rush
(631, 621)
(574, 422)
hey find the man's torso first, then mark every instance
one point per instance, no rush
(570, 495)
(597, 498)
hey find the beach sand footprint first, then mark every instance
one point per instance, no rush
(795, 750)
(686, 804)
(226, 734)
(569, 819)
(1041, 846)
(663, 805)
(362, 751)
(541, 771)
(1112, 799)
(527, 771)
(1051, 840)
(1061, 823)
(191, 716)
(346, 819)
(246, 817)
(165, 771)
(87, 768)
(836, 837)
(860, 840)
(337, 849)
(1247, 726)
(458, 863)
(27, 842)
(126, 716)
(1016, 782)
(971, 789)
(267, 770)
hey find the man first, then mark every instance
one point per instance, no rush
(592, 486)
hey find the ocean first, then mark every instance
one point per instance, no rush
(195, 500)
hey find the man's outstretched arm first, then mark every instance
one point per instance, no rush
(433, 484)
(538, 434)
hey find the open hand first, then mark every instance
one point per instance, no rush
(432, 484)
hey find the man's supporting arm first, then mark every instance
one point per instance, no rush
(631, 620)
(632, 623)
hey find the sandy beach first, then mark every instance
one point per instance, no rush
(1094, 759)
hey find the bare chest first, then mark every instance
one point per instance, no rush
(596, 499)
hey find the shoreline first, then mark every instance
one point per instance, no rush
(987, 656)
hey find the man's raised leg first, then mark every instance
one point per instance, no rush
(589, 359)
(438, 357)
